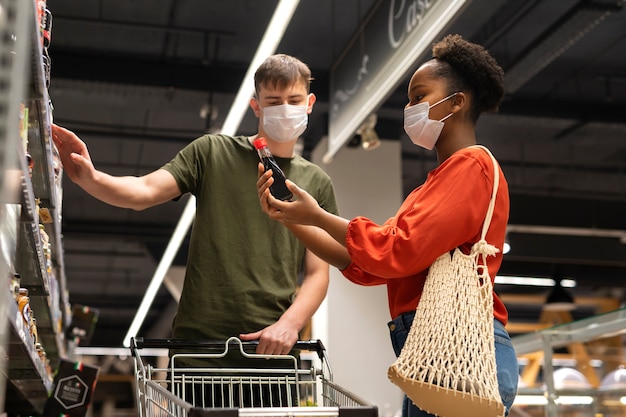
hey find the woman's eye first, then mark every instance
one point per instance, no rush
(415, 100)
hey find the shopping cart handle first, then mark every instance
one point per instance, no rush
(140, 343)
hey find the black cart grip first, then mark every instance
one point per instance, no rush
(218, 345)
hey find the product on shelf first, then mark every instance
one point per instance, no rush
(45, 241)
(74, 384)
(31, 164)
(33, 327)
(23, 303)
(40, 5)
(47, 28)
(15, 285)
(47, 65)
(23, 124)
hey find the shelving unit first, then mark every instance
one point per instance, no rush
(27, 200)
(601, 326)
(12, 63)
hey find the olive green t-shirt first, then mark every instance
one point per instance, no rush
(242, 267)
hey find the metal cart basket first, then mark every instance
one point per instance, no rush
(283, 390)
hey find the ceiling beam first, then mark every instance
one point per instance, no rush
(226, 78)
(567, 109)
(154, 71)
(145, 70)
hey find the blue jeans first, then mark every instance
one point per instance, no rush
(506, 362)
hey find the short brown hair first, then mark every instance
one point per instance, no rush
(281, 71)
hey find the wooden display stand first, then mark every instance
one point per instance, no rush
(582, 353)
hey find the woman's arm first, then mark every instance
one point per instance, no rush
(323, 233)
(321, 244)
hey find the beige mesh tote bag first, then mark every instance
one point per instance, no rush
(448, 365)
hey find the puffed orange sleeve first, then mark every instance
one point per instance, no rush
(444, 213)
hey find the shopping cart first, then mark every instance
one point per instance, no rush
(285, 390)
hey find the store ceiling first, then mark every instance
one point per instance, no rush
(139, 80)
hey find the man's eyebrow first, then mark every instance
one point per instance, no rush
(299, 95)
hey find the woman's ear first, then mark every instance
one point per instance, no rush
(459, 101)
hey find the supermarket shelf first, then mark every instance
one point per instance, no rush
(28, 382)
(28, 376)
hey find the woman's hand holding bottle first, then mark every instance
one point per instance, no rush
(303, 209)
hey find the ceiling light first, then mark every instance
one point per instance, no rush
(506, 248)
(615, 379)
(533, 281)
(274, 33)
(559, 299)
(522, 399)
(369, 137)
(530, 400)
(568, 231)
(113, 351)
(570, 379)
(574, 400)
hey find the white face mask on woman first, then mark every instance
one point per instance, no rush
(285, 122)
(423, 131)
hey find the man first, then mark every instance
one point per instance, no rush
(242, 267)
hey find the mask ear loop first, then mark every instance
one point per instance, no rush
(443, 99)
(445, 118)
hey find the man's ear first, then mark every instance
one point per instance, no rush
(254, 105)
(311, 99)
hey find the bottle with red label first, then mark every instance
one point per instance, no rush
(278, 188)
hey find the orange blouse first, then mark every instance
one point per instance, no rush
(444, 213)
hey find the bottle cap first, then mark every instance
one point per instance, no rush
(259, 143)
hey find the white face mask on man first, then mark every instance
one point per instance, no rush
(285, 122)
(423, 131)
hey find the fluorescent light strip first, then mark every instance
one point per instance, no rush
(116, 351)
(563, 399)
(530, 400)
(274, 33)
(538, 282)
(164, 264)
(574, 399)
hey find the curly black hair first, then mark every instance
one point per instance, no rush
(471, 68)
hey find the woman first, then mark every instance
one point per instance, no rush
(446, 96)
